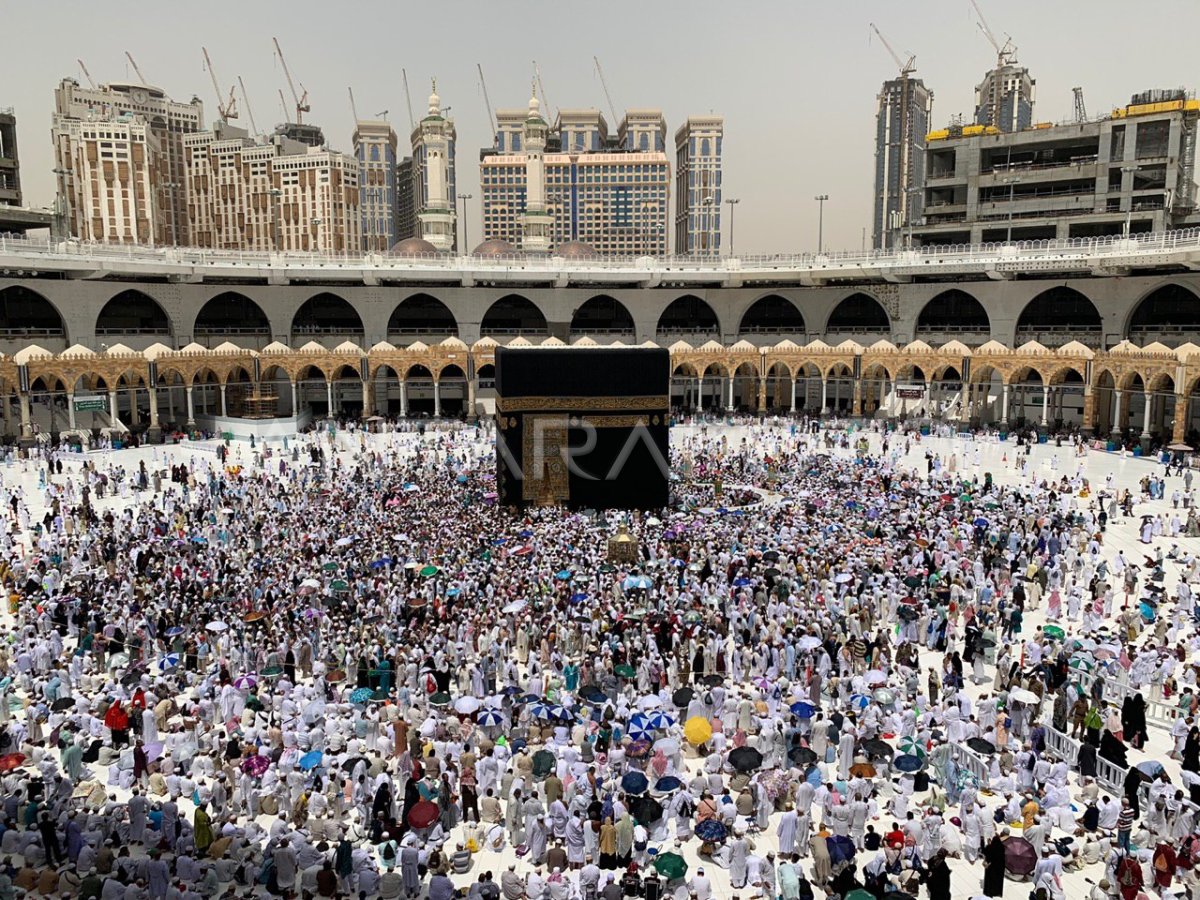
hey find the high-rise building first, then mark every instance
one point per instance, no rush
(901, 123)
(272, 194)
(1133, 170)
(10, 166)
(165, 120)
(546, 186)
(375, 150)
(406, 211)
(436, 131)
(698, 185)
(1004, 99)
(110, 177)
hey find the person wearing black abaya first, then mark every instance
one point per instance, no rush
(1133, 721)
(993, 867)
(937, 878)
(1191, 751)
(1133, 784)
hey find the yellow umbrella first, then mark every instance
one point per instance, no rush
(697, 730)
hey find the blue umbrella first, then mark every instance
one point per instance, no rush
(499, 542)
(711, 831)
(517, 745)
(511, 690)
(173, 631)
(640, 731)
(525, 533)
(562, 714)
(310, 760)
(861, 701)
(490, 716)
(741, 582)
(539, 711)
(578, 598)
(908, 763)
(660, 721)
(461, 479)
(529, 698)
(564, 575)
(593, 694)
(379, 563)
(360, 695)
(168, 662)
(453, 592)
(637, 582)
(667, 783)
(634, 783)
(802, 710)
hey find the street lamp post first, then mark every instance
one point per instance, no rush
(732, 203)
(821, 198)
(466, 237)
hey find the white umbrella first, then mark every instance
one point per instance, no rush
(217, 626)
(1020, 695)
(650, 701)
(808, 643)
(310, 583)
(343, 542)
(516, 606)
(466, 705)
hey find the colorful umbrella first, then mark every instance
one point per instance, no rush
(11, 761)
(670, 865)
(625, 671)
(310, 760)
(245, 682)
(255, 766)
(711, 831)
(423, 814)
(490, 717)
(360, 696)
(168, 662)
(697, 730)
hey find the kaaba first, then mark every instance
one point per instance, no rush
(583, 427)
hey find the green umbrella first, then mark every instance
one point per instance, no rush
(860, 894)
(428, 570)
(672, 865)
(441, 698)
(330, 567)
(607, 567)
(1053, 631)
(339, 585)
(625, 671)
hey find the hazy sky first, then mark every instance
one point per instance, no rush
(796, 81)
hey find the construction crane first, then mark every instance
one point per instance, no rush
(353, 106)
(141, 77)
(906, 67)
(1006, 53)
(612, 107)
(246, 100)
(412, 122)
(537, 73)
(1080, 108)
(487, 101)
(228, 109)
(283, 105)
(301, 99)
(86, 73)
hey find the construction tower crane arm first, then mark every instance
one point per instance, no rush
(906, 67)
(246, 100)
(301, 100)
(353, 105)
(141, 77)
(487, 101)
(537, 73)
(1006, 52)
(412, 122)
(612, 108)
(228, 109)
(86, 73)
(1080, 107)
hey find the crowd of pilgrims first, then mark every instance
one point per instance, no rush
(342, 670)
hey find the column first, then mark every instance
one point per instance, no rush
(70, 410)
(403, 398)
(437, 397)
(1183, 414)
(133, 407)
(26, 425)
(471, 398)
(1089, 410)
(856, 406)
(1149, 397)
(1004, 406)
(329, 399)
(1116, 422)
(700, 392)
(824, 394)
(113, 408)
(171, 403)
(1045, 404)
(153, 407)
(224, 408)
(762, 395)
(367, 399)
(191, 407)
(7, 412)
(295, 400)
(729, 405)
(793, 409)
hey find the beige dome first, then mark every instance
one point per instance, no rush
(576, 250)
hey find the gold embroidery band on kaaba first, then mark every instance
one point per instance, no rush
(581, 404)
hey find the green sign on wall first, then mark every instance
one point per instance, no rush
(91, 404)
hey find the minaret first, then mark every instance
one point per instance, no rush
(437, 216)
(536, 222)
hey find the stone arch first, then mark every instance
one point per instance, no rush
(1057, 315)
(858, 314)
(132, 312)
(688, 315)
(513, 314)
(1164, 314)
(602, 314)
(772, 314)
(24, 313)
(326, 314)
(228, 315)
(422, 315)
(953, 313)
